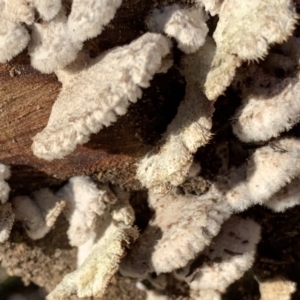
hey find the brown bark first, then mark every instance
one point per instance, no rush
(26, 98)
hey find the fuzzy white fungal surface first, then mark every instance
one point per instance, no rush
(98, 94)
(56, 41)
(84, 202)
(277, 289)
(287, 197)
(19, 11)
(189, 130)
(271, 104)
(229, 256)
(95, 273)
(165, 245)
(47, 9)
(212, 6)
(51, 46)
(27, 211)
(186, 25)
(23, 10)
(87, 18)
(268, 169)
(98, 259)
(39, 214)
(13, 36)
(194, 237)
(241, 25)
(49, 204)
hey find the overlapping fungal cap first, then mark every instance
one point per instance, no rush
(84, 202)
(165, 244)
(98, 94)
(55, 44)
(277, 289)
(39, 213)
(14, 37)
(100, 256)
(189, 130)
(19, 11)
(155, 287)
(227, 258)
(47, 9)
(56, 39)
(51, 46)
(211, 6)
(269, 168)
(241, 25)
(270, 104)
(88, 17)
(95, 273)
(287, 197)
(24, 11)
(181, 228)
(186, 25)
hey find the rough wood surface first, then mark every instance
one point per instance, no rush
(26, 98)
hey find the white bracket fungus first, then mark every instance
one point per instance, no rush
(51, 46)
(100, 256)
(84, 202)
(23, 11)
(228, 257)
(121, 73)
(277, 289)
(241, 25)
(268, 169)
(38, 214)
(95, 273)
(287, 197)
(56, 44)
(186, 25)
(165, 245)
(271, 104)
(13, 36)
(190, 129)
(184, 228)
(211, 6)
(56, 41)
(88, 17)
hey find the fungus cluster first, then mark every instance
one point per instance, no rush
(197, 239)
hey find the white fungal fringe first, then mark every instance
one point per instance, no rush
(190, 129)
(235, 37)
(98, 94)
(186, 25)
(38, 214)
